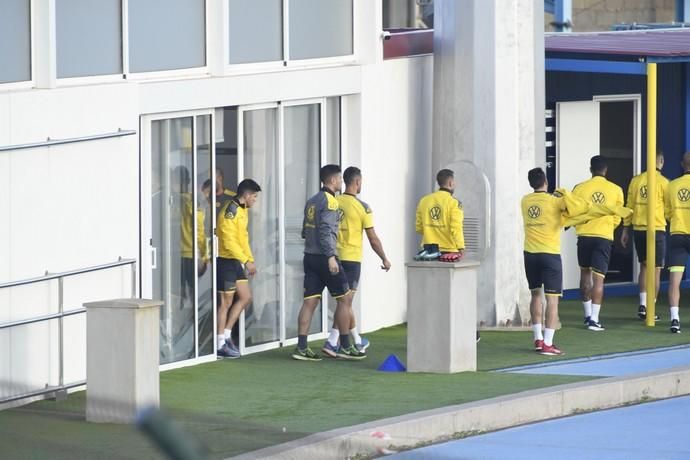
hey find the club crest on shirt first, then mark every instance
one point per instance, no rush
(311, 213)
(341, 215)
(534, 211)
(435, 213)
(643, 192)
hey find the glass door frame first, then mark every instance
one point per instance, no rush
(147, 252)
(280, 137)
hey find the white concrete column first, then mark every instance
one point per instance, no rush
(489, 109)
(122, 358)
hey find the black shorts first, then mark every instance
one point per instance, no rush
(188, 275)
(594, 252)
(679, 249)
(352, 273)
(229, 273)
(659, 243)
(317, 276)
(544, 270)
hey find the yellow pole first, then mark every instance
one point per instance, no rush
(651, 193)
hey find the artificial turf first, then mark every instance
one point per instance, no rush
(267, 398)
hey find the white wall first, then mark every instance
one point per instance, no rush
(396, 104)
(64, 207)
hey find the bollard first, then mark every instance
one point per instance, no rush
(122, 358)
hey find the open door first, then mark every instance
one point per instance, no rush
(577, 140)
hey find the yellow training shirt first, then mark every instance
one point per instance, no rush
(598, 190)
(637, 201)
(233, 236)
(678, 205)
(542, 214)
(439, 221)
(354, 216)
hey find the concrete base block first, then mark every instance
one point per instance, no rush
(442, 316)
(122, 359)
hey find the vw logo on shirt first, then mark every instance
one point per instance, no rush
(534, 211)
(643, 192)
(435, 213)
(684, 194)
(598, 198)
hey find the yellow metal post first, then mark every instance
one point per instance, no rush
(650, 275)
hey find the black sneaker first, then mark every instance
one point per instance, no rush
(305, 355)
(642, 313)
(350, 353)
(595, 326)
(675, 326)
(587, 318)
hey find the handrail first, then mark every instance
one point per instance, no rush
(48, 142)
(52, 276)
(61, 388)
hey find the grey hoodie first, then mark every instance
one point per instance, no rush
(320, 224)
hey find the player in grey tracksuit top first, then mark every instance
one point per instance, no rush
(322, 267)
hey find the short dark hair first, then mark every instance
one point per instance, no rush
(598, 164)
(351, 174)
(443, 175)
(247, 186)
(207, 184)
(536, 178)
(328, 171)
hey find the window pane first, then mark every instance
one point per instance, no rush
(320, 28)
(89, 37)
(302, 161)
(15, 41)
(166, 35)
(262, 317)
(256, 31)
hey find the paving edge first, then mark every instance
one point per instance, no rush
(419, 428)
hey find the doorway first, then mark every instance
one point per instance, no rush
(609, 126)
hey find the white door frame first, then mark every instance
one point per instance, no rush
(280, 137)
(637, 155)
(146, 217)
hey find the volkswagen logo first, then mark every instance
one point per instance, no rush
(643, 192)
(435, 213)
(534, 212)
(341, 215)
(684, 194)
(598, 198)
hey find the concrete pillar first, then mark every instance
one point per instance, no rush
(489, 110)
(441, 316)
(122, 358)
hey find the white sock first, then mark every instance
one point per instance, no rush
(595, 312)
(643, 298)
(548, 336)
(536, 329)
(355, 335)
(674, 313)
(588, 308)
(228, 333)
(333, 337)
(221, 341)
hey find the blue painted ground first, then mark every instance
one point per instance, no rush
(657, 430)
(613, 365)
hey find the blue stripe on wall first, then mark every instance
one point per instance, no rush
(594, 66)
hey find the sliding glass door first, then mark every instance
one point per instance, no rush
(177, 236)
(282, 148)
